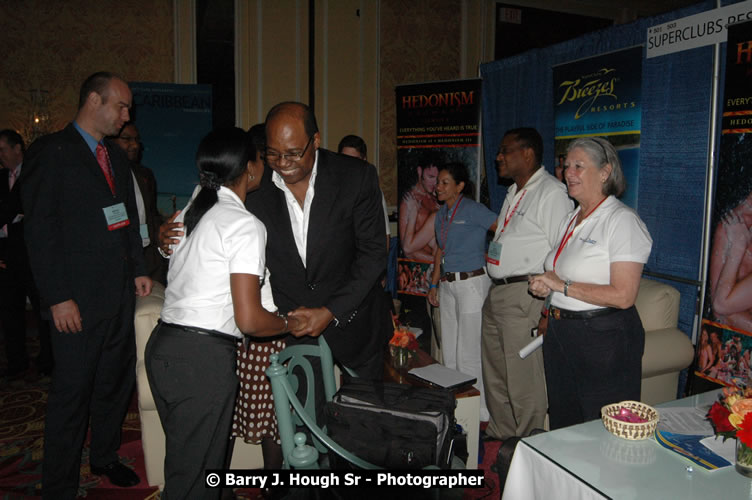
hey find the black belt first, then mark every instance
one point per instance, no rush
(462, 275)
(202, 331)
(510, 279)
(556, 313)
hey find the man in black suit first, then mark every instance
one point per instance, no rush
(129, 141)
(16, 282)
(325, 240)
(85, 252)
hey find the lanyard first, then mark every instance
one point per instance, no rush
(445, 230)
(568, 234)
(509, 214)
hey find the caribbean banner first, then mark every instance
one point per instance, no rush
(172, 119)
(723, 348)
(600, 96)
(437, 123)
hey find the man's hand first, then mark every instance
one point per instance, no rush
(66, 317)
(311, 321)
(143, 285)
(169, 232)
(542, 325)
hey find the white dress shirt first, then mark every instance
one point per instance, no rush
(299, 216)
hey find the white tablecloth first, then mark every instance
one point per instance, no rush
(533, 476)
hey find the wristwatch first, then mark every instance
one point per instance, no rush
(566, 287)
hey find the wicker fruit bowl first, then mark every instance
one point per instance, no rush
(630, 430)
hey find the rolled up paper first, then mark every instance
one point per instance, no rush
(532, 346)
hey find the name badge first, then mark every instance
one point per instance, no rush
(494, 253)
(116, 216)
(144, 230)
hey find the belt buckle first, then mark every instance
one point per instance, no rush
(556, 312)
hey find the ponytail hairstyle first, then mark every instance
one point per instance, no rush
(222, 157)
(459, 173)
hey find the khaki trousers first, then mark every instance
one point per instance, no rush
(515, 388)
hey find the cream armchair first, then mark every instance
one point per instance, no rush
(668, 350)
(245, 456)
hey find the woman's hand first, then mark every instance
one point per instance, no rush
(433, 296)
(541, 285)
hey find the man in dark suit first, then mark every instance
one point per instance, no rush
(85, 252)
(146, 200)
(325, 240)
(16, 282)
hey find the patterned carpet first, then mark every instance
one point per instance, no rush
(22, 407)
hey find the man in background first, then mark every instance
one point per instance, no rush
(355, 146)
(145, 186)
(16, 282)
(87, 259)
(526, 230)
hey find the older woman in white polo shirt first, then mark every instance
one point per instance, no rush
(594, 339)
(212, 299)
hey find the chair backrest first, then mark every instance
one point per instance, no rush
(291, 370)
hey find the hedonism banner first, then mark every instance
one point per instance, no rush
(600, 96)
(723, 348)
(437, 123)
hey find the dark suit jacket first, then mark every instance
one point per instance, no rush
(345, 255)
(156, 266)
(73, 255)
(14, 251)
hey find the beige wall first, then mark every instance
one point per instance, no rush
(54, 45)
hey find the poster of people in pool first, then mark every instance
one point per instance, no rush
(600, 96)
(725, 341)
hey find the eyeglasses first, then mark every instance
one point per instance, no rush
(274, 157)
(507, 151)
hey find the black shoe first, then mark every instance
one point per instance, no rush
(117, 473)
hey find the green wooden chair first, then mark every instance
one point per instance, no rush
(291, 412)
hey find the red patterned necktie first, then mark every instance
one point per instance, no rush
(104, 162)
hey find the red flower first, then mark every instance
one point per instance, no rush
(718, 415)
(745, 430)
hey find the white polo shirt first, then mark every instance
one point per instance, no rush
(228, 239)
(535, 214)
(612, 233)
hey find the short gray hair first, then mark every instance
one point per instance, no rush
(601, 153)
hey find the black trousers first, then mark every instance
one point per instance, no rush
(92, 384)
(193, 381)
(590, 363)
(16, 284)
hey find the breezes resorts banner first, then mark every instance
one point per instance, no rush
(437, 123)
(600, 96)
(725, 342)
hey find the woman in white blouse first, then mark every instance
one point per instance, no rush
(594, 339)
(212, 299)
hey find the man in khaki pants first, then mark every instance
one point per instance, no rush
(527, 229)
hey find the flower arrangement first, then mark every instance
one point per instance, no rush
(731, 417)
(402, 347)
